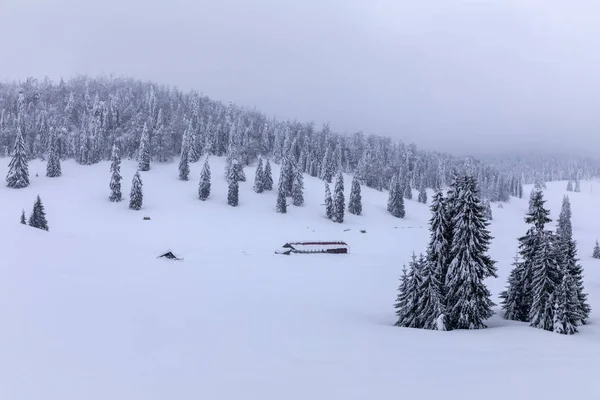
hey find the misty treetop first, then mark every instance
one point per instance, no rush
(148, 123)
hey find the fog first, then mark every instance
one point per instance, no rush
(477, 77)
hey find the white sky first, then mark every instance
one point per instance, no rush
(461, 76)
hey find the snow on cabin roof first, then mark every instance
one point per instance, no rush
(317, 245)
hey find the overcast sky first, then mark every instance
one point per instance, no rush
(461, 76)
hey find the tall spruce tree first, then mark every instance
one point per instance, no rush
(115, 175)
(566, 306)
(407, 188)
(259, 184)
(53, 169)
(233, 192)
(18, 169)
(407, 301)
(545, 277)
(136, 195)
(468, 300)
(144, 150)
(328, 202)
(281, 204)
(37, 219)
(184, 158)
(567, 259)
(396, 199)
(517, 298)
(355, 201)
(596, 253)
(23, 219)
(298, 189)
(438, 250)
(268, 177)
(577, 185)
(570, 186)
(339, 200)
(204, 185)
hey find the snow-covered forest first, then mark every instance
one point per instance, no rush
(86, 116)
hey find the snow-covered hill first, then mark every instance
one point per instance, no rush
(89, 312)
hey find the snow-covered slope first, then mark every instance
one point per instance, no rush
(89, 312)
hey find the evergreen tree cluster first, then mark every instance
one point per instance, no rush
(37, 218)
(444, 289)
(83, 119)
(545, 286)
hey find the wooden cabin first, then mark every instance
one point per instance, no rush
(314, 248)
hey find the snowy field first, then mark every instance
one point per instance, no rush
(88, 312)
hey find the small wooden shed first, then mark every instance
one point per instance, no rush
(315, 248)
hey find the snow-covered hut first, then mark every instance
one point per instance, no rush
(314, 248)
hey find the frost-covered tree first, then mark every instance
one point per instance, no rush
(422, 198)
(339, 200)
(23, 219)
(298, 189)
(570, 186)
(37, 219)
(596, 253)
(18, 169)
(184, 158)
(407, 188)
(566, 306)
(327, 166)
(144, 150)
(53, 169)
(517, 298)
(396, 198)
(407, 301)
(568, 263)
(136, 196)
(115, 175)
(577, 185)
(438, 250)
(281, 204)
(468, 300)
(204, 185)
(259, 178)
(233, 192)
(268, 177)
(328, 202)
(355, 201)
(431, 308)
(545, 277)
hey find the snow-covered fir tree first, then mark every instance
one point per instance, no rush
(596, 253)
(184, 158)
(396, 198)
(355, 201)
(144, 150)
(53, 168)
(298, 189)
(23, 219)
(233, 192)
(281, 204)
(18, 169)
(328, 202)
(468, 300)
(545, 277)
(204, 185)
(115, 175)
(517, 298)
(569, 264)
(577, 185)
(287, 175)
(37, 219)
(136, 195)
(438, 250)
(570, 186)
(422, 198)
(407, 188)
(259, 178)
(407, 302)
(268, 177)
(431, 309)
(565, 308)
(339, 199)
